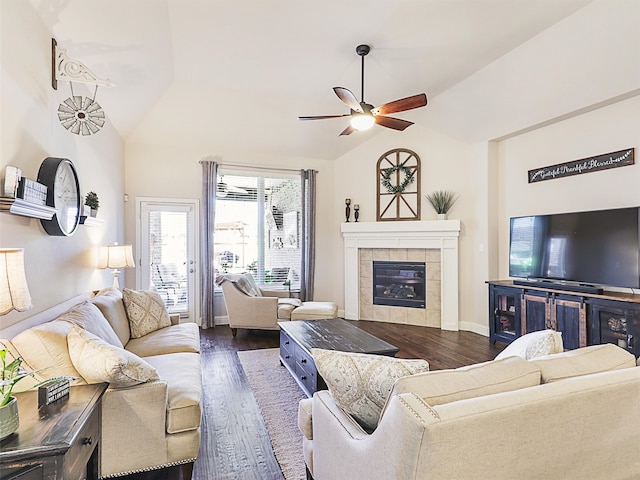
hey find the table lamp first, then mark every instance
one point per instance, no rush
(14, 292)
(116, 256)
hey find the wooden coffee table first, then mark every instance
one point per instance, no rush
(298, 337)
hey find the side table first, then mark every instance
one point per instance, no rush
(59, 441)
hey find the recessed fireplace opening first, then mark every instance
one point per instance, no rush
(399, 284)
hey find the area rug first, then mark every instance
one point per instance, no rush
(277, 394)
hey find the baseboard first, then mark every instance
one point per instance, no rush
(475, 328)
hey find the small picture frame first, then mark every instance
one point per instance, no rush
(53, 392)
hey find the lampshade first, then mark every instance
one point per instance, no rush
(362, 121)
(116, 256)
(14, 292)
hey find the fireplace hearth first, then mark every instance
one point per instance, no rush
(399, 284)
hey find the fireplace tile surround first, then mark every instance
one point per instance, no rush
(434, 242)
(430, 315)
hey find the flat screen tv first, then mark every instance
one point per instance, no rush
(583, 248)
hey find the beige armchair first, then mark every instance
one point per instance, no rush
(249, 306)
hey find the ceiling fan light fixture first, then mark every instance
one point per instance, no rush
(362, 121)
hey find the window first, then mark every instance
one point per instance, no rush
(257, 226)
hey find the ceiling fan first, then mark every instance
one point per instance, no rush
(364, 115)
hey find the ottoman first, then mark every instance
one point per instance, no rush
(315, 311)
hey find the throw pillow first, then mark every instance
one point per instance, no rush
(98, 361)
(360, 383)
(145, 310)
(109, 301)
(534, 344)
(89, 317)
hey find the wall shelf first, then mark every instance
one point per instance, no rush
(91, 221)
(17, 206)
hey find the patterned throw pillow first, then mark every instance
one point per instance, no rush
(145, 310)
(534, 344)
(98, 361)
(360, 383)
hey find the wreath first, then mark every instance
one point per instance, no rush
(408, 178)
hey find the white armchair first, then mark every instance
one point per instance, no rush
(249, 306)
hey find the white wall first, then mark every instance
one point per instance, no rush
(446, 164)
(613, 128)
(574, 87)
(57, 268)
(159, 171)
(584, 63)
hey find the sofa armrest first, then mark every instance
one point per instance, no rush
(267, 292)
(175, 318)
(133, 428)
(341, 449)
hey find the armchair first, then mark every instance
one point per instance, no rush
(248, 306)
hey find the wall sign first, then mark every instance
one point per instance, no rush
(592, 164)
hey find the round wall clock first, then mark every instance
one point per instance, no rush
(63, 194)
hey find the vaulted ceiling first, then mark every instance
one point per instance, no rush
(230, 73)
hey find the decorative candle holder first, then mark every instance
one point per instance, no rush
(347, 210)
(356, 212)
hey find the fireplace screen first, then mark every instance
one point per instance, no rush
(399, 284)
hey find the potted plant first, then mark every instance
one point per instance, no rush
(91, 200)
(12, 374)
(441, 201)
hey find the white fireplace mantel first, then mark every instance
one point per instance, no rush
(436, 234)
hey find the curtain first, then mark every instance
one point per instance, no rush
(308, 234)
(209, 183)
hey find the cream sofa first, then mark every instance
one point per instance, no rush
(147, 426)
(578, 419)
(252, 307)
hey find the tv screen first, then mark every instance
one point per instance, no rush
(599, 247)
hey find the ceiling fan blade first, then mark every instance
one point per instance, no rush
(322, 117)
(401, 105)
(395, 123)
(347, 131)
(348, 98)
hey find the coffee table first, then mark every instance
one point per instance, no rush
(298, 337)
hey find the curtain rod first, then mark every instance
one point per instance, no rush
(255, 167)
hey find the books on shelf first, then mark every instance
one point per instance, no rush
(15, 186)
(32, 191)
(12, 176)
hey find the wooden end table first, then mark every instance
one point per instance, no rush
(298, 337)
(59, 441)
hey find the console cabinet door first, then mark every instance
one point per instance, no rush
(564, 315)
(617, 323)
(504, 314)
(536, 313)
(570, 318)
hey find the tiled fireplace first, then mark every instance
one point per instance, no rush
(432, 243)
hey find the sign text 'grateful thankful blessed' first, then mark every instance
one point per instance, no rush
(585, 165)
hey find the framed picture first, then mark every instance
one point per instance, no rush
(290, 227)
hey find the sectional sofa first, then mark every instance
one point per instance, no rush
(567, 416)
(151, 412)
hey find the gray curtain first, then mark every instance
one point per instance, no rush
(308, 234)
(207, 224)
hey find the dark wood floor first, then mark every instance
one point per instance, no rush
(235, 444)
